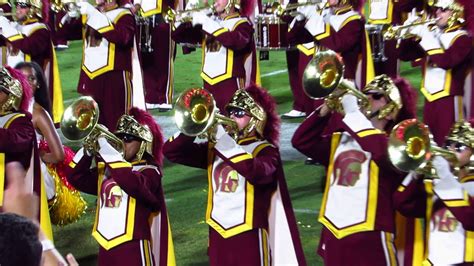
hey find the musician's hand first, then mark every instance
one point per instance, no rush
(107, 152)
(191, 4)
(324, 110)
(4, 22)
(305, 12)
(220, 131)
(443, 170)
(349, 103)
(86, 8)
(412, 17)
(199, 18)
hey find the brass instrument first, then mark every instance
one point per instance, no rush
(397, 32)
(290, 9)
(80, 123)
(145, 26)
(195, 114)
(411, 148)
(182, 16)
(69, 6)
(322, 78)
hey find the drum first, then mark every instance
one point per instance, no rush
(270, 33)
(375, 33)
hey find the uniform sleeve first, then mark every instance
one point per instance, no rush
(370, 139)
(310, 138)
(18, 137)
(454, 55)
(38, 43)
(142, 185)
(410, 50)
(345, 39)
(186, 33)
(410, 197)
(235, 39)
(258, 167)
(297, 33)
(72, 30)
(80, 174)
(457, 200)
(123, 31)
(182, 149)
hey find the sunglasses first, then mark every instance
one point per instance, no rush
(458, 147)
(376, 96)
(128, 138)
(22, 5)
(239, 113)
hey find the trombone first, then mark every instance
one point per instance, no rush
(322, 78)
(80, 123)
(182, 16)
(195, 114)
(411, 148)
(402, 31)
(280, 10)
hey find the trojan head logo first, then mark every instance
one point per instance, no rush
(111, 194)
(347, 167)
(226, 178)
(212, 45)
(444, 221)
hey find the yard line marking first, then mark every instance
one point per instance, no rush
(273, 73)
(306, 211)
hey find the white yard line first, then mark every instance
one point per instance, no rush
(273, 73)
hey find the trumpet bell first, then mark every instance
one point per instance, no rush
(323, 74)
(410, 145)
(194, 111)
(80, 118)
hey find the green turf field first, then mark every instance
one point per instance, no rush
(185, 188)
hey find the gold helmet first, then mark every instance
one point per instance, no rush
(35, 7)
(14, 90)
(454, 6)
(230, 4)
(384, 85)
(127, 125)
(243, 100)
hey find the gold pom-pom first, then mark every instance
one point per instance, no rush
(67, 205)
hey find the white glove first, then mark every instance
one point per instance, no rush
(107, 152)
(443, 170)
(305, 12)
(65, 19)
(191, 4)
(86, 8)
(349, 103)
(429, 40)
(199, 18)
(220, 132)
(7, 28)
(412, 17)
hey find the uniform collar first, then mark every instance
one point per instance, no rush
(29, 21)
(247, 140)
(342, 10)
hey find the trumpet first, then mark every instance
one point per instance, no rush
(290, 9)
(195, 114)
(402, 31)
(411, 148)
(80, 123)
(322, 78)
(173, 16)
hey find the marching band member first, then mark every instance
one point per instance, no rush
(106, 72)
(29, 39)
(129, 194)
(245, 180)
(340, 28)
(447, 202)
(385, 13)
(18, 139)
(228, 47)
(446, 51)
(356, 213)
(65, 203)
(158, 62)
